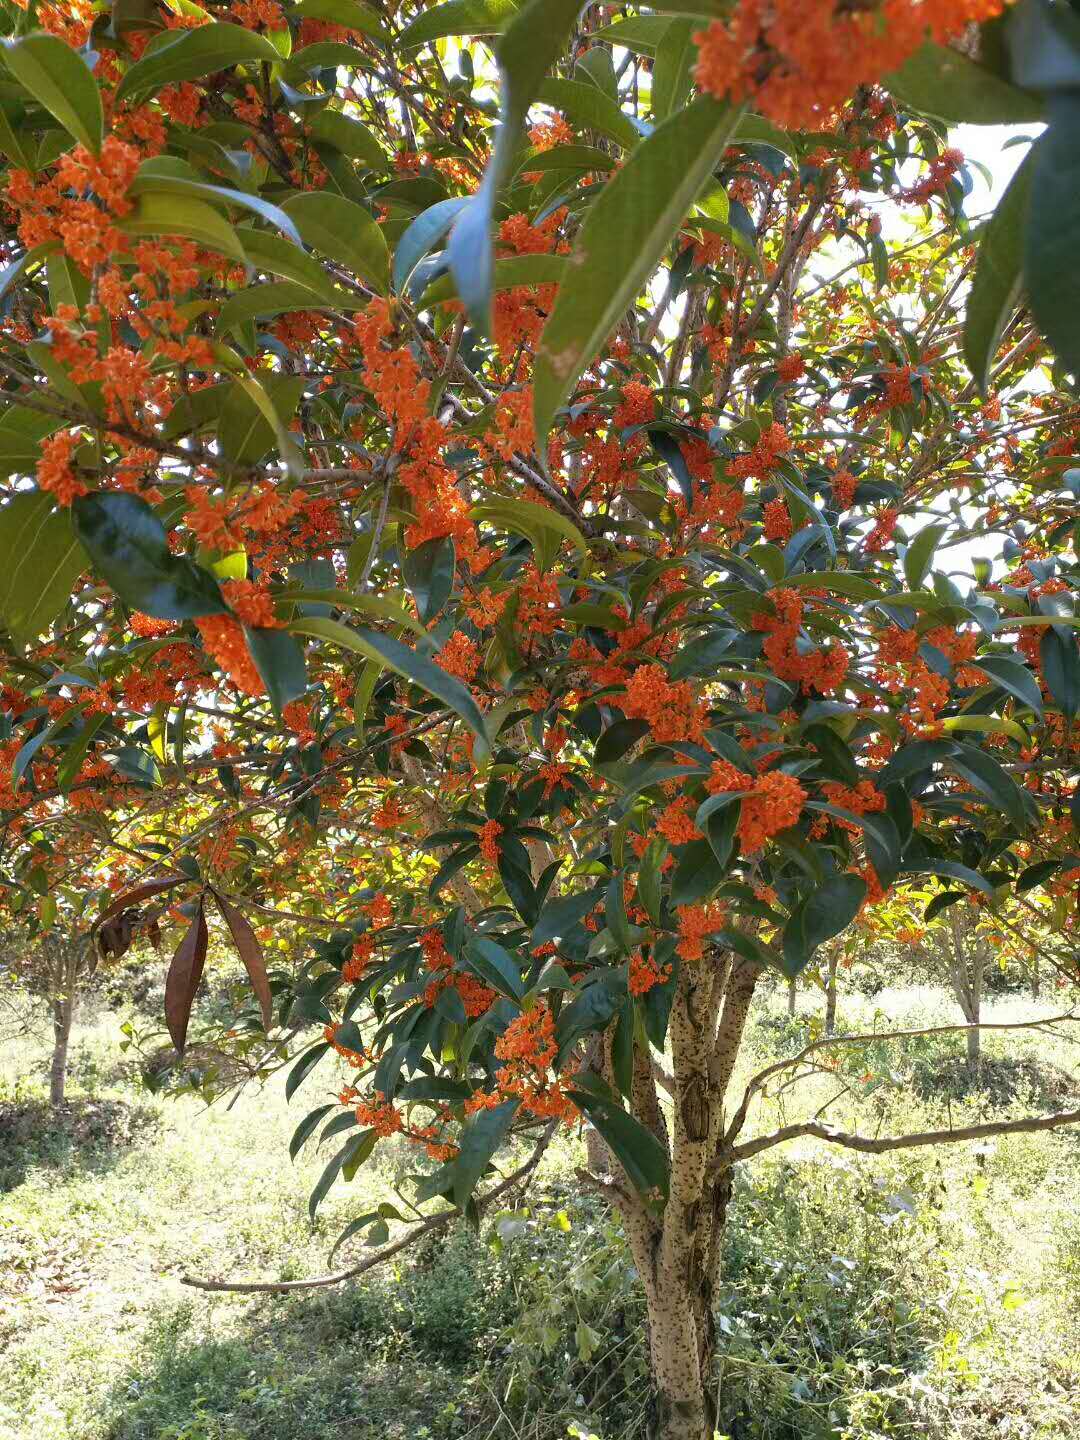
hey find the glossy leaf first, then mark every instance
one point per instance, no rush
(624, 235)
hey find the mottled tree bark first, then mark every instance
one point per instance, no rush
(677, 1248)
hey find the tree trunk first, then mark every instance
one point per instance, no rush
(791, 1000)
(1036, 979)
(63, 1008)
(974, 1036)
(681, 1352)
(65, 979)
(830, 995)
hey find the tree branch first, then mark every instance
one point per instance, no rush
(871, 1146)
(433, 1222)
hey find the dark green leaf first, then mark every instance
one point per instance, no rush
(40, 560)
(128, 546)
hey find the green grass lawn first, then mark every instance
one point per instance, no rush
(934, 1293)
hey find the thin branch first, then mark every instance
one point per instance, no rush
(878, 1146)
(827, 1041)
(434, 1222)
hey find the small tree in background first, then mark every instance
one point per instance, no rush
(527, 545)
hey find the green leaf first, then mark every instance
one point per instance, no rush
(676, 56)
(423, 234)
(307, 1128)
(189, 54)
(1051, 274)
(940, 81)
(343, 231)
(170, 176)
(349, 137)
(587, 107)
(21, 434)
(303, 1067)
(280, 662)
(40, 560)
(990, 780)
(494, 966)
(349, 13)
(244, 433)
(1061, 670)
(59, 79)
(128, 547)
(480, 1138)
(590, 1011)
(280, 257)
(641, 33)
(156, 213)
(637, 1150)
(620, 243)
(558, 917)
(398, 657)
(257, 302)
(954, 871)
(286, 391)
(531, 44)
(996, 287)
(1014, 676)
(458, 17)
(352, 1154)
(920, 552)
(825, 912)
(545, 528)
(507, 274)
(429, 573)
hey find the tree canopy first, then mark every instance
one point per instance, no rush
(559, 507)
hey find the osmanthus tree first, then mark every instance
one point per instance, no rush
(474, 476)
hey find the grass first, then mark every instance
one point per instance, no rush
(928, 1293)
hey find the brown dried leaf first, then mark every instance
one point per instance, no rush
(250, 952)
(183, 978)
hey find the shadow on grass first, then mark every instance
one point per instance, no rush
(85, 1132)
(324, 1367)
(999, 1079)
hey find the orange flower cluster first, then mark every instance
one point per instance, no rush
(389, 815)
(843, 489)
(460, 657)
(637, 407)
(487, 837)
(776, 519)
(529, 1040)
(84, 226)
(223, 638)
(675, 825)
(770, 447)
(354, 1057)
(771, 803)
(791, 367)
(882, 533)
(645, 972)
(822, 669)
(696, 923)
(798, 61)
(358, 961)
(54, 471)
(250, 602)
(382, 1117)
(670, 707)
